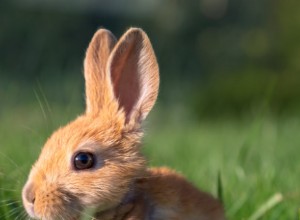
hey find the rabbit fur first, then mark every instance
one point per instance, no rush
(121, 81)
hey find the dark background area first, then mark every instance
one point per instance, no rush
(218, 57)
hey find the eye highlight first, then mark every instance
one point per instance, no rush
(83, 161)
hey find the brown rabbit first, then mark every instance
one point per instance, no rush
(95, 161)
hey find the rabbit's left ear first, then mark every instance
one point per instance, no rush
(134, 74)
(97, 81)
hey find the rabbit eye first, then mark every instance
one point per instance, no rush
(83, 161)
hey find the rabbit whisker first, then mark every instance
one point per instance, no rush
(10, 213)
(9, 203)
(10, 190)
(30, 129)
(12, 162)
(24, 215)
(21, 215)
(5, 200)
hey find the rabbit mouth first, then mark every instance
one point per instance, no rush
(30, 210)
(50, 203)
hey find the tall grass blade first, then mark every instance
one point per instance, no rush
(41, 104)
(264, 208)
(220, 187)
(44, 97)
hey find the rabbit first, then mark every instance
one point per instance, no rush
(95, 162)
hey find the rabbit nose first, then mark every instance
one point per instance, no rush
(29, 194)
(28, 197)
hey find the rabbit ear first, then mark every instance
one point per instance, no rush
(97, 82)
(134, 74)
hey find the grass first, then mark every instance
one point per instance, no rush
(252, 161)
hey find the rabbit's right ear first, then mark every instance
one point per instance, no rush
(98, 86)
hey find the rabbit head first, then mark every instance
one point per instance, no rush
(92, 161)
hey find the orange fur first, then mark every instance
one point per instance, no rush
(121, 88)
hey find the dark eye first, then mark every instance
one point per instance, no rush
(83, 161)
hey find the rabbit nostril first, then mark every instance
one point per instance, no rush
(29, 193)
(31, 198)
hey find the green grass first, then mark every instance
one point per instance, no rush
(252, 159)
(256, 157)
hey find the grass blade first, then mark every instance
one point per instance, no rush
(269, 204)
(220, 187)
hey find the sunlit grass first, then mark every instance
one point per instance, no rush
(255, 157)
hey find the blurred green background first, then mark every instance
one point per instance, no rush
(227, 116)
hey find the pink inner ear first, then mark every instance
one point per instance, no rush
(125, 78)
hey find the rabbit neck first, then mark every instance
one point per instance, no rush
(129, 196)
